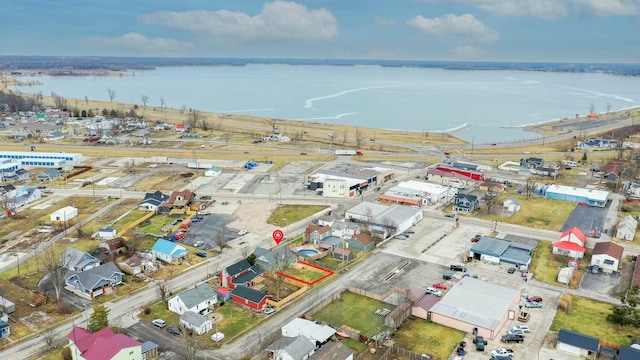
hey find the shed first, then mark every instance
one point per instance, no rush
(342, 254)
(64, 214)
(577, 344)
(7, 305)
(565, 275)
(511, 205)
(223, 294)
(107, 233)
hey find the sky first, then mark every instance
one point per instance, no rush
(477, 30)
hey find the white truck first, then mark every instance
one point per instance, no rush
(349, 152)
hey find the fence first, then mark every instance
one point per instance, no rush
(289, 298)
(137, 222)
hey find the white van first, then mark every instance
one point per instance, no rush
(434, 291)
(159, 323)
(569, 163)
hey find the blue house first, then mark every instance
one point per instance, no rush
(5, 329)
(93, 282)
(168, 251)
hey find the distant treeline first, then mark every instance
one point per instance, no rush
(66, 65)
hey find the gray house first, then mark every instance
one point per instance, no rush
(466, 203)
(294, 348)
(578, 344)
(95, 281)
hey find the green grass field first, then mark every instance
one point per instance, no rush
(589, 317)
(424, 337)
(288, 214)
(306, 273)
(355, 311)
(536, 212)
(545, 266)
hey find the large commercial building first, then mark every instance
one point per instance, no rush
(33, 158)
(385, 219)
(417, 193)
(589, 197)
(345, 181)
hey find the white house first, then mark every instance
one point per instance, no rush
(626, 228)
(65, 214)
(309, 329)
(571, 243)
(197, 299)
(107, 233)
(607, 255)
(293, 348)
(511, 205)
(200, 324)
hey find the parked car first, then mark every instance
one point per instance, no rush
(434, 291)
(458, 268)
(500, 357)
(439, 286)
(174, 330)
(534, 298)
(476, 238)
(409, 232)
(204, 212)
(516, 332)
(159, 323)
(447, 276)
(269, 311)
(401, 237)
(242, 232)
(524, 328)
(502, 352)
(532, 304)
(196, 219)
(480, 343)
(202, 254)
(198, 243)
(511, 270)
(450, 215)
(524, 274)
(509, 338)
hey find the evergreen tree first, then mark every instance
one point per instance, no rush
(626, 314)
(100, 318)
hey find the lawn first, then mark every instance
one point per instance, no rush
(288, 214)
(235, 320)
(306, 273)
(536, 213)
(355, 311)
(589, 317)
(107, 218)
(127, 219)
(545, 266)
(424, 337)
(155, 224)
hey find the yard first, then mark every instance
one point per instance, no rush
(545, 266)
(288, 214)
(424, 337)
(355, 311)
(536, 212)
(166, 180)
(108, 217)
(589, 317)
(155, 224)
(307, 273)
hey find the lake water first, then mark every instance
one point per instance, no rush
(485, 106)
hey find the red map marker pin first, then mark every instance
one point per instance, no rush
(277, 236)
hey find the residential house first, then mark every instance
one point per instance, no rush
(583, 346)
(293, 348)
(103, 344)
(318, 334)
(612, 170)
(161, 127)
(465, 203)
(76, 260)
(511, 205)
(7, 193)
(153, 200)
(138, 264)
(150, 350)
(240, 273)
(330, 243)
(54, 136)
(22, 175)
(5, 329)
(492, 186)
(342, 254)
(196, 299)
(597, 144)
(168, 251)
(361, 242)
(26, 196)
(315, 233)
(532, 163)
(626, 228)
(107, 233)
(268, 258)
(64, 214)
(178, 202)
(49, 175)
(333, 350)
(571, 243)
(629, 353)
(114, 246)
(200, 324)
(249, 297)
(95, 281)
(607, 255)
(344, 229)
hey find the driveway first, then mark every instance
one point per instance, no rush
(171, 347)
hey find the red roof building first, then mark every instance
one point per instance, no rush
(571, 243)
(102, 345)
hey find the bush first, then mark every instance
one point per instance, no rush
(66, 354)
(147, 311)
(63, 308)
(565, 303)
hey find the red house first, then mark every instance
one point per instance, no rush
(571, 243)
(249, 297)
(240, 273)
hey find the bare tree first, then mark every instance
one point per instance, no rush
(190, 343)
(145, 100)
(221, 241)
(344, 137)
(608, 106)
(529, 187)
(204, 124)
(592, 108)
(390, 226)
(193, 118)
(86, 100)
(163, 290)
(48, 338)
(112, 94)
(274, 124)
(55, 267)
(130, 166)
(359, 137)
(163, 105)
(282, 262)
(490, 199)
(59, 101)
(227, 136)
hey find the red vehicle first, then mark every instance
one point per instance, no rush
(439, 286)
(534, 298)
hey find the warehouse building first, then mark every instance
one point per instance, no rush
(589, 197)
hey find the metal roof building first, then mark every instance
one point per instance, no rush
(476, 305)
(502, 251)
(590, 197)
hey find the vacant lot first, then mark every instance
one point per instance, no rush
(585, 314)
(289, 214)
(545, 266)
(424, 337)
(536, 213)
(304, 272)
(355, 311)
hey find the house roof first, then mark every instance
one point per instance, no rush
(240, 266)
(567, 245)
(343, 252)
(148, 345)
(490, 302)
(7, 188)
(608, 248)
(332, 351)
(578, 340)
(155, 198)
(100, 345)
(169, 248)
(309, 329)
(4, 324)
(513, 201)
(469, 197)
(322, 229)
(628, 353)
(364, 238)
(267, 257)
(426, 302)
(115, 243)
(50, 173)
(253, 272)
(223, 291)
(90, 278)
(575, 232)
(134, 260)
(74, 258)
(194, 319)
(197, 295)
(107, 229)
(248, 293)
(490, 246)
(635, 279)
(298, 347)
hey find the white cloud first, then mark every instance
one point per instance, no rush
(607, 7)
(466, 52)
(464, 26)
(279, 20)
(140, 44)
(384, 21)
